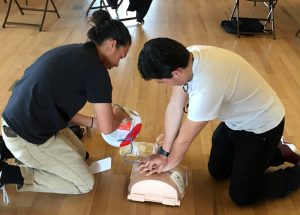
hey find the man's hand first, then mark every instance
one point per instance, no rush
(154, 164)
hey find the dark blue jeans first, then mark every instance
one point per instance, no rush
(244, 157)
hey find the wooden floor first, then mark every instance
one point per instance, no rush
(191, 22)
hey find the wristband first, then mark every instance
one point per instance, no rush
(161, 151)
(116, 106)
(92, 122)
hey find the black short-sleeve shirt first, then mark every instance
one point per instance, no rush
(54, 88)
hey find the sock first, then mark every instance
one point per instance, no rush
(288, 154)
(11, 174)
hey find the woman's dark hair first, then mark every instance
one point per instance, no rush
(104, 27)
(160, 57)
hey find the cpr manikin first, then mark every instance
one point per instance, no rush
(167, 188)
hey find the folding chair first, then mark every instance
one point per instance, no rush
(92, 7)
(25, 2)
(268, 20)
(104, 5)
(21, 9)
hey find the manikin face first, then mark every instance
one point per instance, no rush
(113, 54)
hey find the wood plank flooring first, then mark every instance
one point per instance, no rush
(191, 22)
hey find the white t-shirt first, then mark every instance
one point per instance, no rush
(226, 87)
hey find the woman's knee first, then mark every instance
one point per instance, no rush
(88, 185)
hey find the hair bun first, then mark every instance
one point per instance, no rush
(100, 16)
(104, 27)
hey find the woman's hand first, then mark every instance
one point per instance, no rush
(122, 114)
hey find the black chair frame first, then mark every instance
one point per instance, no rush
(269, 19)
(21, 9)
(104, 5)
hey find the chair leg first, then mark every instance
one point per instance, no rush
(7, 14)
(270, 18)
(273, 27)
(238, 20)
(271, 7)
(44, 15)
(273, 21)
(55, 9)
(90, 7)
(236, 9)
(101, 6)
(119, 3)
(19, 7)
(8, 11)
(45, 12)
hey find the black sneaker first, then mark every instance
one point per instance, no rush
(2, 186)
(4, 151)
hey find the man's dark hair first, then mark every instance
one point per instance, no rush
(160, 56)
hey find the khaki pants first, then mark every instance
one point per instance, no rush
(57, 166)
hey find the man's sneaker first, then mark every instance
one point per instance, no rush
(289, 152)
